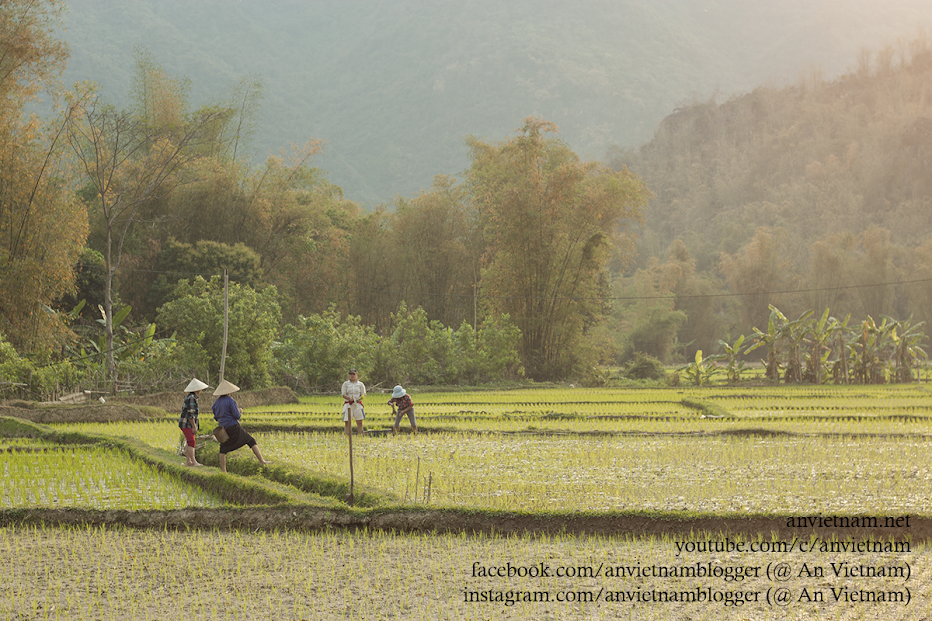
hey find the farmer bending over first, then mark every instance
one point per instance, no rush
(402, 401)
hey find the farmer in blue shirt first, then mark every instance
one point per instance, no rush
(227, 415)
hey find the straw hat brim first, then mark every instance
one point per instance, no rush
(195, 385)
(225, 388)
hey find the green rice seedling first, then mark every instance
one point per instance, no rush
(732, 473)
(25, 444)
(94, 478)
(157, 433)
(806, 409)
(543, 449)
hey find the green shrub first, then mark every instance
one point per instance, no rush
(321, 347)
(20, 377)
(196, 314)
(318, 350)
(644, 366)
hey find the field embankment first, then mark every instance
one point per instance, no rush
(472, 522)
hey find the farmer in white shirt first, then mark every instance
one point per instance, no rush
(353, 392)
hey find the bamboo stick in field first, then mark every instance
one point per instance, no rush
(351, 499)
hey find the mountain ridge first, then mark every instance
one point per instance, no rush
(393, 88)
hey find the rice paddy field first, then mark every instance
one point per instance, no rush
(94, 478)
(765, 454)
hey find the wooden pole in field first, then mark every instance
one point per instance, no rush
(351, 499)
(226, 320)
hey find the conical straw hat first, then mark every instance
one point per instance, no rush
(225, 388)
(196, 385)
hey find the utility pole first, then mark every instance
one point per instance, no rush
(226, 321)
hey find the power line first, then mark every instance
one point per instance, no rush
(633, 297)
(520, 297)
(783, 292)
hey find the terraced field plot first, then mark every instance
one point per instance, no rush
(729, 474)
(37, 475)
(822, 409)
(880, 410)
(787, 402)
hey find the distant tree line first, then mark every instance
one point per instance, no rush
(119, 222)
(669, 309)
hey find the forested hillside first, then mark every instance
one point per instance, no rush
(807, 197)
(394, 87)
(119, 214)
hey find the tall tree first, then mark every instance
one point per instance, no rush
(42, 232)
(131, 158)
(668, 302)
(757, 274)
(196, 314)
(284, 210)
(876, 263)
(920, 298)
(29, 55)
(367, 285)
(42, 229)
(551, 222)
(236, 136)
(437, 250)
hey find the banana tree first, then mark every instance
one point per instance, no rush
(820, 334)
(127, 344)
(866, 351)
(793, 333)
(93, 354)
(701, 370)
(906, 350)
(731, 356)
(769, 339)
(840, 332)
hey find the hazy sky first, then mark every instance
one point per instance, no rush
(394, 87)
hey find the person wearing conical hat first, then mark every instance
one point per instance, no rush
(227, 414)
(189, 421)
(402, 400)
